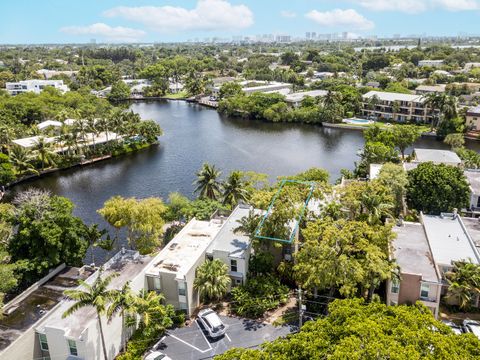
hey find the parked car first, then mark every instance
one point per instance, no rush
(212, 323)
(472, 326)
(155, 355)
(457, 329)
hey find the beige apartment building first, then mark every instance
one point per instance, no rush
(396, 107)
(425, 251)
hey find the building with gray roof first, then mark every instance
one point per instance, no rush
(437, 156)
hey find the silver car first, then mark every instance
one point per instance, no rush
(472, 326)
(212, 323)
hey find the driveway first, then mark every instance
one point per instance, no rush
(191, 343)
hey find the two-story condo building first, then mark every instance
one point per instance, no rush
(396, 107)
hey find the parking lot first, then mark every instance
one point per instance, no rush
(192, 343)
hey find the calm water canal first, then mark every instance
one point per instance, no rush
(193, 135)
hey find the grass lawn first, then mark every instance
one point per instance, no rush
(180, 95)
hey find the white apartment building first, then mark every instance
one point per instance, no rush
(173, 270)
(36, 86)
(43, 333)
(431, 63)
(396, 107)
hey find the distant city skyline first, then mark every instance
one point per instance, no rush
(110, 21)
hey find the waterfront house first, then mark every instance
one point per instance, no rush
(396, 107)
(473, 118)
(295, 99)
(425, 252)
(36, 86)
(430, 89)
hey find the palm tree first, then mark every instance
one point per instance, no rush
(234, 189)
(21, 160)
(6, 136)
(92, 128)
(436, 103)
(122, 303)
(44, 151)
(464, 283)
(94, 235)
(153, 316)
(374, 204)
(207, 183)
(212, 279)
(95, 295)
(395, 109)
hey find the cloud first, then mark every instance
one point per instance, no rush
(208, 15)
(116, 34)
(288, 14)
(347, 19)
(418, 6)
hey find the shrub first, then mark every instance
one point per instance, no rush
(258, 295)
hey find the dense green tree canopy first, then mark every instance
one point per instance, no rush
(47, 234)
(437, 188)
(357, 331)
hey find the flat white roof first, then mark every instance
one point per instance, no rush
(229, 241)
(183, 251)
(449, 240)
(412, 253)
(437, 156)
(128, 265)
(390, 96)
(31, 141)
(299, 96)
(48, 123)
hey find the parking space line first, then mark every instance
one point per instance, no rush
(206, 340)
(192, 346)
(228, 337)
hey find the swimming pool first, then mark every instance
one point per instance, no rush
(357, 121)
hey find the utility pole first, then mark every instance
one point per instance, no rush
(300, 308)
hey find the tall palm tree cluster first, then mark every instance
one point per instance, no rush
(444, 108)
(230, 192)
(78, 139)
(464, 283)
(143, 310)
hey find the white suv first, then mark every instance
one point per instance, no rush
(212, 323)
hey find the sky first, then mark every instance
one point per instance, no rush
(78, 21)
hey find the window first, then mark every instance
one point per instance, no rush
(72, 345)
(156, 283)
(182, 288)
(43, 342)
(182, 305)
(395, 286)
(233, 265)
(424, 290)
(478, 202)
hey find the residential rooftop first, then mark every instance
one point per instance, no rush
(229, 241)
(127, 263)
(183, 251)
(437, 156)
(20, 315)
(473, 227)
(299, 96)
(412, 253)
(390, 96)
(449, 240)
